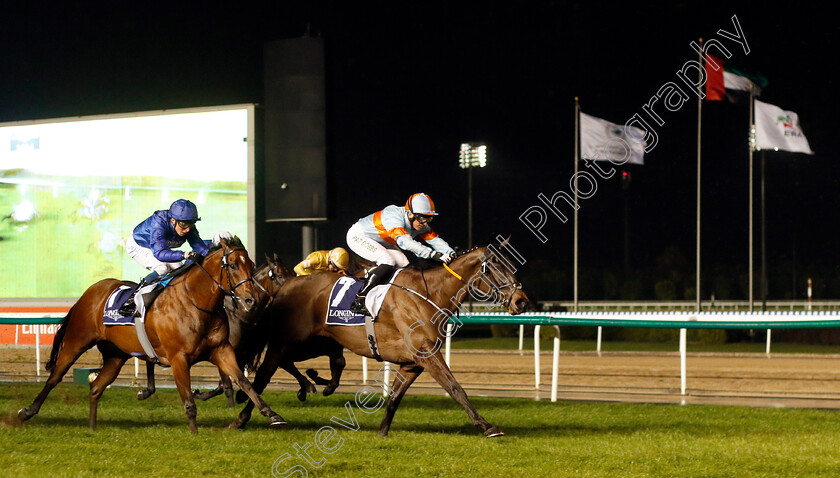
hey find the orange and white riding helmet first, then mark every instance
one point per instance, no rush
(420, 203)
(339, 258)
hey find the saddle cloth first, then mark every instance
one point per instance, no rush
(111, 315)
(343, 294)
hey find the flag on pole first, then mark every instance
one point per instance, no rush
(726, 78)
(601, 140)
(778, 129)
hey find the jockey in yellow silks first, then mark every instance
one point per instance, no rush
(335, 260)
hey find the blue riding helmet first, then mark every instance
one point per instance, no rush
(184, 210)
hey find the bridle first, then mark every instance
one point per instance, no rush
(225, 266)
(485, 265)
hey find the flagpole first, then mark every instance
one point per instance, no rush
(751, 142)
(763, 237)
(577, 160)
(699, 123)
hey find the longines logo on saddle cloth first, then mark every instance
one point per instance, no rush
(344, 292)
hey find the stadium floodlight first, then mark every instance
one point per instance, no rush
(473, 155)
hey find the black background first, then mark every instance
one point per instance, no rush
(407, 82)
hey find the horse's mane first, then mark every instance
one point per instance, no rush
(233, 242)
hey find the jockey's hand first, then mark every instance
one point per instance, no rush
(445, 258)
(191, 255)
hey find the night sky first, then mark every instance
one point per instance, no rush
(407, 84)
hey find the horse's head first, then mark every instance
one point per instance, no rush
(268, 278)
(235, 276)
(492, 277)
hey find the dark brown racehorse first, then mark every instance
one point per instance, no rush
(410, 328)
(185, 325)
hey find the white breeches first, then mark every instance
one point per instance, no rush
(146, 258)
(374, 251)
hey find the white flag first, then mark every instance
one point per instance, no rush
(778, 129)
(605, 141)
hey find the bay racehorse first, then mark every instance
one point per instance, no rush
(185, 325)
(242, 322)
(247, 328)
(409, 329)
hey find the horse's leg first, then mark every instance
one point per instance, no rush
(224, 358)
(227, 386)
(337, 364)
(210, 394)
(111, 366)
(181, 373)
(305, 385)
(409, 372)
(440, 372)
(150, 382)
(66, 358)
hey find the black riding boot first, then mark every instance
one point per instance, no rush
(129, 308)
(375, 276)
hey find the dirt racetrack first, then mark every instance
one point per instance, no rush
(781, 380)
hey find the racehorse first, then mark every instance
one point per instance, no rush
(409, 329)
(269, 278)
(184, 325)
(246, 327)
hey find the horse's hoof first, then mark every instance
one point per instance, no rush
(23, 415)
(328, 391)
(236, 426)
(301, 395)
(276, 420)
(493, 432)
(241, 397)
(143, 394)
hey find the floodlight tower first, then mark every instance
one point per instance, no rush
(472, 155)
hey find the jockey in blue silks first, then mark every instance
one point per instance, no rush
(153, 240)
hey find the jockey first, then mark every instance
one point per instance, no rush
(383, 236)
(152, 242)
(335, 260)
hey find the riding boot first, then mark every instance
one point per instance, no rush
(129, 308)
(375, 276)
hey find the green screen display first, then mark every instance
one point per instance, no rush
(72, 190)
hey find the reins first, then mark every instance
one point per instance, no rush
(231, 288)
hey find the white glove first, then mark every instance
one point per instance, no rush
(446, 258)
(217, 239)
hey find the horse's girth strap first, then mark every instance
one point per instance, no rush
(371, 337)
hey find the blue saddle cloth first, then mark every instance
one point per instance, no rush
(342, 296)
(111, 315)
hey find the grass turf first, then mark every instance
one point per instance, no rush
(431, 436)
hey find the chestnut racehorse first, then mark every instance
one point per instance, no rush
(409, 329)
(185, 325)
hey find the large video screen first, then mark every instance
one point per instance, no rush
(73, 189)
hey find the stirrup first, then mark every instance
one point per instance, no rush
(358, 306)
(129, 308)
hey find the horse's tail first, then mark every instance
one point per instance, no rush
(58, 341)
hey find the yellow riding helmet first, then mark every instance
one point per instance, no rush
(339, 258)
